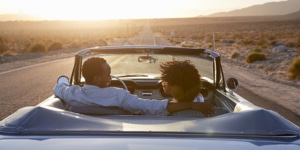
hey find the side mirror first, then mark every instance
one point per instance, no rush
(232, 83)
(63, 79)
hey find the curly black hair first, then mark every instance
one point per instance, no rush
(182, 74)
(91, 67)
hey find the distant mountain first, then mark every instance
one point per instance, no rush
(295, 15)
(15, 17)
(267, 9)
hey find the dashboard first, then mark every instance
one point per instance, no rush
(152, 88)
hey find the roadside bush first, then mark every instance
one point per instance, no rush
(261, 42)
(255, 56)
(197, 37)
(187, 45)
(274, 43)
(235, 54)
(38, 48)
(264, 46)
(26, 46)
(247, 42)
(294, 69)
(177, 42)
(271, 37)
(76, 44)
(238, 36)
(102, 43)
(55, 46)
(228, 41)
(3, 45)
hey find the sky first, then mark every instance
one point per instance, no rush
(121, 9)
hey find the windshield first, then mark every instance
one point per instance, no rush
(149, 65)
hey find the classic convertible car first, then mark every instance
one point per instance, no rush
(53, 124)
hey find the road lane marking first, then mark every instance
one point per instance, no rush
(140, 41)
(154, 42)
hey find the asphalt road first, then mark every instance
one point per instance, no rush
(30, 85)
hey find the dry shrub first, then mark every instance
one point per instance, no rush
(274, 43)
(3, 45)
(235, 54)
(238, 36)
(76, 44)
(271, 37)
(261, 42)
(197, 37)
(247, 42)
(187, 45)
(255, 56)
(264, 46)
(101, 42)
(55, 46)
(228, 41)
(38, 48)
(294, 69)
(177, 42)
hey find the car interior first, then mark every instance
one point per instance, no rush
(146, 89)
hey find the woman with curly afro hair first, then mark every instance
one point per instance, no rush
(181, 79)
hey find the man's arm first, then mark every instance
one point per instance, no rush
(59, 90)
(205, 108)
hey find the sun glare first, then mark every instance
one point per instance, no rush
(90, 10)
(118, 9)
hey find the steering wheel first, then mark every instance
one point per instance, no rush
(123, 83)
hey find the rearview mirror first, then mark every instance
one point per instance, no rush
(63, 79)
(148, 58)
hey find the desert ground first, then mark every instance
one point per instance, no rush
(268, 79)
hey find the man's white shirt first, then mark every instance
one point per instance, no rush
(91, 95)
